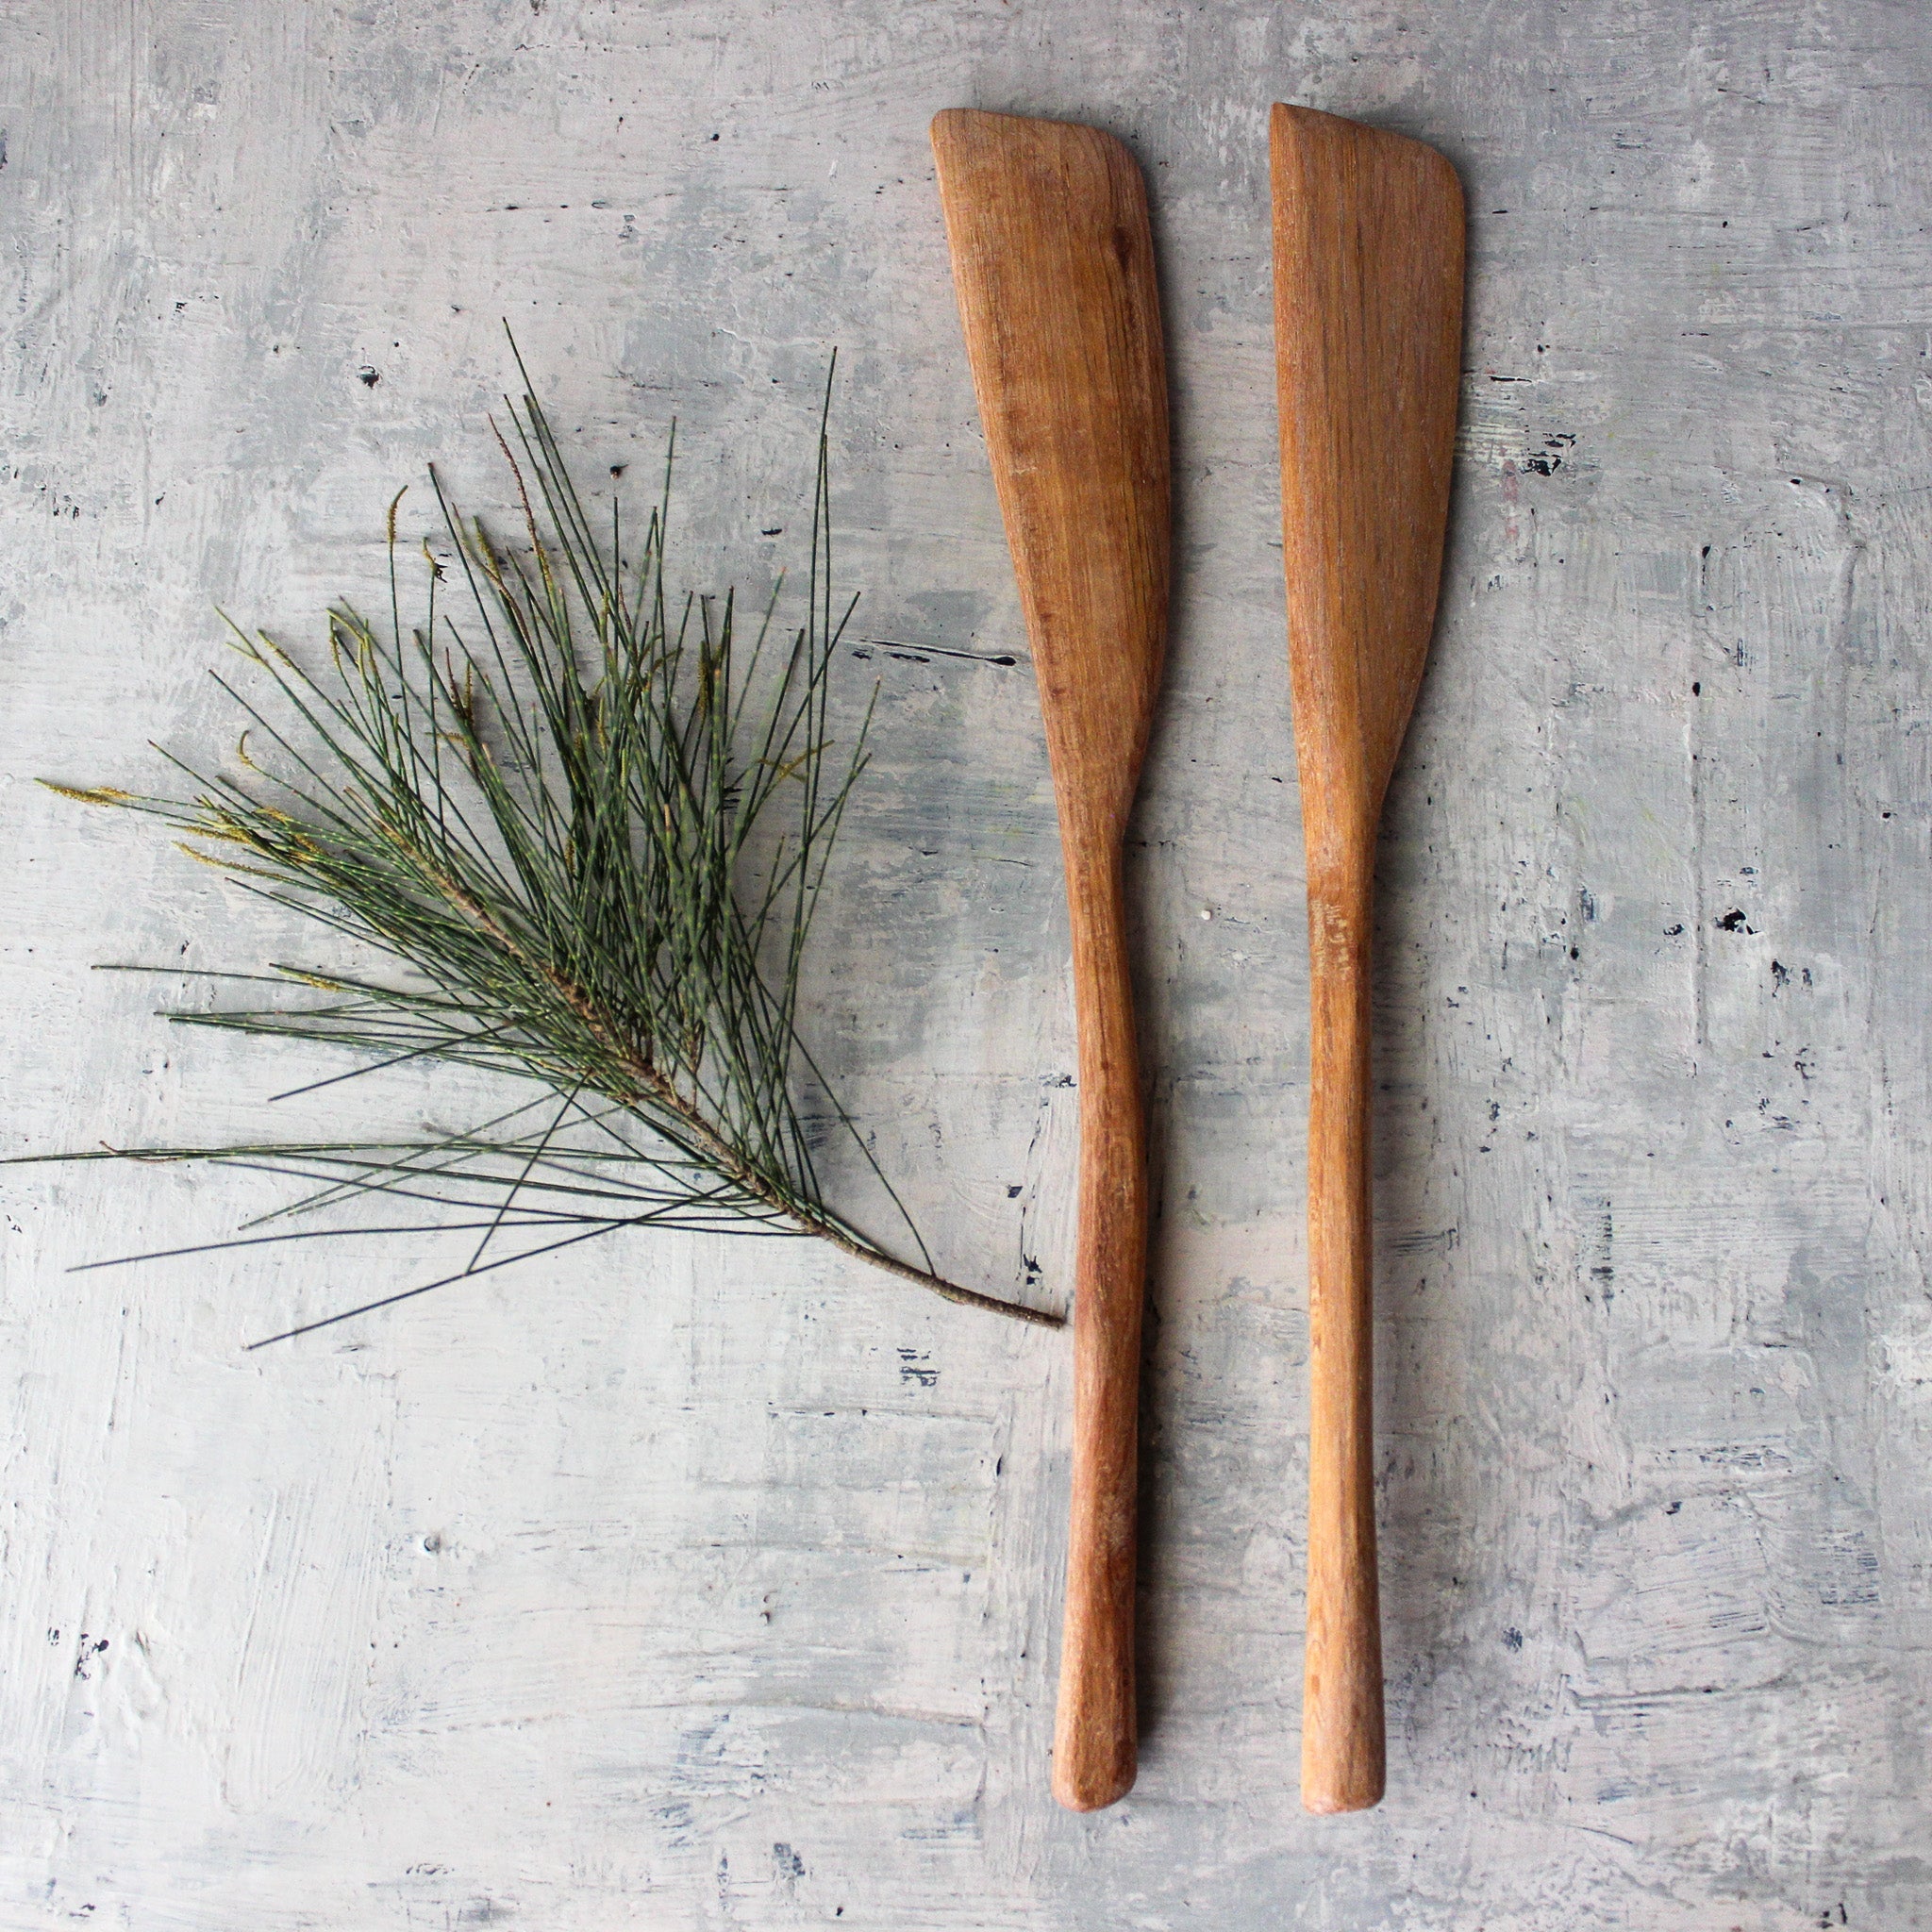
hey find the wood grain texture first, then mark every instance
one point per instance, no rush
(1054, 263)
(1368, 329)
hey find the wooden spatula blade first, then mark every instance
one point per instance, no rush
(1367, 333)
(1052, 260)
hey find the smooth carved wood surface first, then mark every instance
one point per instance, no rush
(1054, 263)
(1368, 329)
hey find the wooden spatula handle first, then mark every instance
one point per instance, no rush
(1342, 1711)
(1095, 1751)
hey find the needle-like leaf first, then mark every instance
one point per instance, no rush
(591, 842)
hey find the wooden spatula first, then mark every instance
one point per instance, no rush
(1367, 333)
(1053, 264)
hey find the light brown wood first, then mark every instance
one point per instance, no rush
(1053, 264)
(1368, 332)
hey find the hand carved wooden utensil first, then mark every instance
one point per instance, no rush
(1368, 335)
(1053, 264)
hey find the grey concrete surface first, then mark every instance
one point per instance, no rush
(698, 1584)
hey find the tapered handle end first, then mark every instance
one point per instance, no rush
(1095, 1754)
(1344, 1748)
(1342, 1754)
(1092, 1773)
(1343, 1794)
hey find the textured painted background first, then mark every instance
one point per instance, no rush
(700, 1585)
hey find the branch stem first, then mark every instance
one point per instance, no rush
(652, 1085)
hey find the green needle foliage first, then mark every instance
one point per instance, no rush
(590, 824)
